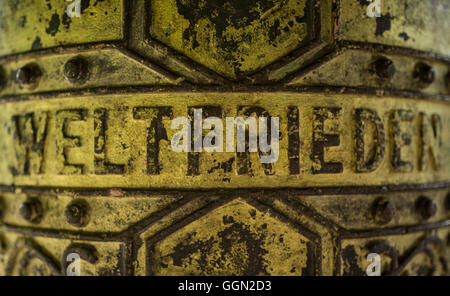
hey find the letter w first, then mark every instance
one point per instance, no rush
(30, 133)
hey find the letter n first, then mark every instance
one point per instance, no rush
(430, 141)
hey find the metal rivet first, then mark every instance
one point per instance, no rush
(28, 75)
(31, 210)
(77, 213)
(384, 211)
(76, 70)
(384, 68)
(426, 207)
(423, 75)
(86, 252)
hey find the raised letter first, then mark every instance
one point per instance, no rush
(322, 140)
(369, 145)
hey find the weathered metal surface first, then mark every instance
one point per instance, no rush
(418, 25)
(125, 141)
(87, 167)
(31, 25)
(234, 38)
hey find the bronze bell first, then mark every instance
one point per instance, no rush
(173, 137)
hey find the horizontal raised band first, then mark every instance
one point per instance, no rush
(127, 141)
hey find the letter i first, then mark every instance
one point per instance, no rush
(198, 130)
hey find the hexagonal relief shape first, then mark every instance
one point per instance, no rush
(235, 239)
(232, 37)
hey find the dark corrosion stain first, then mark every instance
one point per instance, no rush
(236, 13)
(404, 36)
(303, 18)
(53, 25)
(13, 5)
(383, 24)
(227, 219)
(97, 1)
(66, 21)
(363, 2)
(223, 14)
(248, 261)
(23, 21)
(84, 5)
(36, 43)
(274, 31)
(350, 259)
(14, 171)
(226, 166)
(184, 251)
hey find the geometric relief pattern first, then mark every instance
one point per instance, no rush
(290, 46)
(251, 233)
(233, 246)
(424, 255)
(28, 258)
(430, 246)
(233, 38)
(36, 255)
(217, 43)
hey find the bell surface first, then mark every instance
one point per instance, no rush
(232, 137)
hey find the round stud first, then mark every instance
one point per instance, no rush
(86, 252)
(76, 70)
(384, 211)
(29, 75)
(384, 68)
(77, 213)
(423, 75)
(426, 207)
(31, 210)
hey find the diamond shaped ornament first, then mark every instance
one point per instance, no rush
(235, 38)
